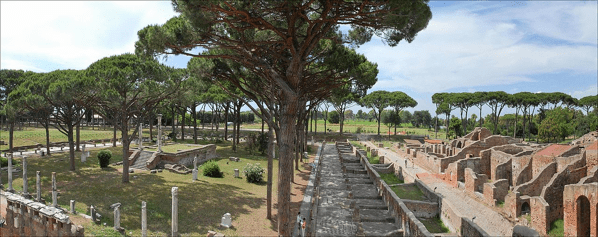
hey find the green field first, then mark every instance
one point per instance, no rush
(351, 126)
(32, 136)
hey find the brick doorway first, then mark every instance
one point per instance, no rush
(583, 216)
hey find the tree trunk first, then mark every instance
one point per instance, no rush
(114, 136)
(270, 168)
(285, 165)
(151, 127)
(46, 126)
(379, 119)
(341, 122)
(515, 129)
(226, 121)
(78, 141)
(125, 143)
(316, 123)
(11, 132)
(194, 123)
(71, 144)
(325, 120)
(173, 126)
(183, 119)
(435, 128)
(235, 129)
(238, 122)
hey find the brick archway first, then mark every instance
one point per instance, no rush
(525, 208)
(583, 216)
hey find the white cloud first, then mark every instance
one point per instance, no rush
(73, 34)
(461, 49)
(591, 90)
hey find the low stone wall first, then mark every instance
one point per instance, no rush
(133, 156)
(25, 217)
(185, 158)
(422, 209)
(469, 228)
(450, 216)
(524, 176)
(406, 218)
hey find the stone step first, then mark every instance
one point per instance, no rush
(381, 229)
(375, 215)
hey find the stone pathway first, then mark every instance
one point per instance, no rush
(349, 200)
(489, 220)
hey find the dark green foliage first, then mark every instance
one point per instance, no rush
(4, 161)
(333, 117)
(211, 169)
(172, 135)
(455, 127)
(251, 144)
(104, 158)
(262, 141)
(254, 173)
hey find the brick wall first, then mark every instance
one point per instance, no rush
(204, 154)
(539, 214)
(572, 202)
(496, 191)
(534, 186)
(469, 228)
(522, 169)
(422, 209)
(474, 182)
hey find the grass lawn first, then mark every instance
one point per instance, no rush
(557, 228)
(371, 159)
(201, 203)
(434, 225)
(173, 148)
(411, 192)
(31, 136)
(391, 179)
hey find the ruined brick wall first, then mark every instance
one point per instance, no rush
(427, 191)
(469, 228)
(547, 155)
(552, 193)
(534, 187)
(485, 160)
(576, 213)
(474, 182)
(495, 191)
(25, 217)
(591, 177)
(539, 215)
(451, 217)
(503, 171)
(522, 169)
(591, 153)
(422, 209)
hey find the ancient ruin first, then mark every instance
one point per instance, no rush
(543, 181)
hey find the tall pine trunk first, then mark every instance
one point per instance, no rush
(114, 135)
(69, 135)
(125, 143)
(270, 168)
(194, 123)
(289, 109)
(46, 126)
(78, 139)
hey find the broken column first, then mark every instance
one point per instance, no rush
(159, 132)
(175, 215)
(83, 154)
(73, 207)
(143, 219)
(195, 171)
(92, 211)
(38, 187)
(25, 191)
(116, 216)
(10, 189)
(54, 193)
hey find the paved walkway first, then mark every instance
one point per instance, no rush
(489, 220)
(56, 149)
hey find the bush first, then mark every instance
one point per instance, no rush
(359, 129)
(262, 141)
(333, 117)
(211, 169)
(104, 158)
(4, 161)
(254, 173)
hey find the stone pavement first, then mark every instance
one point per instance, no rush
(488, 219)
(349, 203)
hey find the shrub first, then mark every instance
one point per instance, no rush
(104, 158)
(211, 169)
(262, 141)
(254, 173)
(4, 161)
(333, 117)
(359, 129)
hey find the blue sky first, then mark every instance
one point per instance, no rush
(536, 46)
